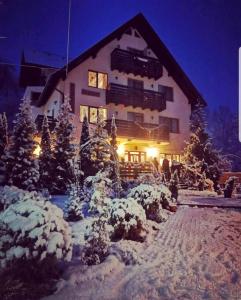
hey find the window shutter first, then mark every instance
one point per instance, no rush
(72, 96)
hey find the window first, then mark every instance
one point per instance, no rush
(92, 113)
(171, 123)
(167, 91)
(97, 79)
(136, 84)
(135, 117)
(84, 111)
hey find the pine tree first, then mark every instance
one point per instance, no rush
(45, 157)
(83, 154)
(199, 154)
(21, 166)
(85, 134)
(64, 152)
(3, 133)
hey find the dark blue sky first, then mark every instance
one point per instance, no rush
(203, 35)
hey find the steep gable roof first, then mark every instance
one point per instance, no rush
(152, 39)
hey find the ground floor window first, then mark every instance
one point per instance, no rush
(170, 157)
(92, 113)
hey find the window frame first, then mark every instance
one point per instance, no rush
(97, 82)
(135, 114)
(88, 116)
(170, 124)
(166, 88)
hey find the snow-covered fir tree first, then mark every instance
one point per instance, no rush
(199, 153)
(85, 134)
(3, 133)
(45, 157)
(96, 153)
(22, 167)
(83, 154)
(63, 152)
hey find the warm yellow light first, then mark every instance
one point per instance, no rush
(121, 150)
(152, 152)
(37, 150)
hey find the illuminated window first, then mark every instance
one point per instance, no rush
(97, 79)
(102, 113)
(92, 80)
(83, 111)
(92, 113)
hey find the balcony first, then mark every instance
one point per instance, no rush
(132, 130)
(128, 62)
(128, 96)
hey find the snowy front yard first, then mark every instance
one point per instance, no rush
(194, 255)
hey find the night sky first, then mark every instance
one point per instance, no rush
(203, 35)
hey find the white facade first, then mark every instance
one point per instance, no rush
(180, 108)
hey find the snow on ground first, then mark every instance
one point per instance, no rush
(205, 193)
(195, 255)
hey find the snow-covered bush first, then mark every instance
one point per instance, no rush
(11, 194)
(153, 198)
(33, 231)
(73, 206)
(128, 219)
(96, 191)
(97, 245)
(148, 197)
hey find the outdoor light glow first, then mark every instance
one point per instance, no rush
(37, 150)
(152, 152)
(121, 150)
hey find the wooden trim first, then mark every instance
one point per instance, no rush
(90, 93)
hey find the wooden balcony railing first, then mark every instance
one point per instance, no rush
(128, 62)
(128, 96)
(144, 131)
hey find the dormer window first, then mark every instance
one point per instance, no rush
(97, 79)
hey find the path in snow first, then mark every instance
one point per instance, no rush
(196, 255)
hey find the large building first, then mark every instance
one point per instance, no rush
(129, 74)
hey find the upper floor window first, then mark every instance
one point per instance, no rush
(97, 79)
(136, 84)
(171, 123)
(135, 117)
(167, 91)
(92, 113)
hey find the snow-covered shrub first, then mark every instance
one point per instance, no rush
(11, 194)
(153, 198)
(146, 179)
(33, 230)
(97, 246)
(73, 206)
(148, 197)
(96, 191)
(128, 219)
